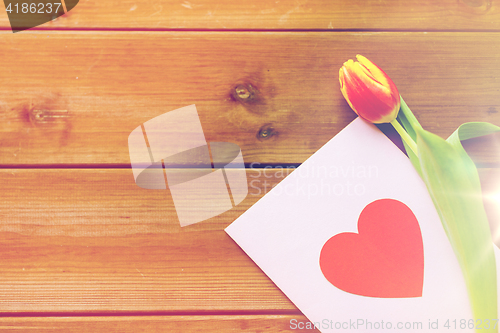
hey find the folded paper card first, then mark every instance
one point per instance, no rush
(353, 239)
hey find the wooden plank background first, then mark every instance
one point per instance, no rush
(454, 15)
(83, 248)
(109, 82)
(156, 324)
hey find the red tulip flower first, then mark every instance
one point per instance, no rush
(372, 94)
(369, 91)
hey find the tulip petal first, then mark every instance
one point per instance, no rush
(368, 99)
(376, 71)
(369, 91)
(366, 76)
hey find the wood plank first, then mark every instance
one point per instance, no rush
(301, 14)
(92, 241)
(157, 324)
(111, 82)
(104, 203)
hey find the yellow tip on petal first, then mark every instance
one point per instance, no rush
(375, 71)
(349, 63)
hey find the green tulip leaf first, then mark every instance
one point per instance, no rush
(453, 184)
(471, 130)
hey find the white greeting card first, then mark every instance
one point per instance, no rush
(353, 239)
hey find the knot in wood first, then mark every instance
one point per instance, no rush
(265, 132)
(245, 93)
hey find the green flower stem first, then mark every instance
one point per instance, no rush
(407, 139)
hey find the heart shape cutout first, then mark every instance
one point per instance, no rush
(385, 259)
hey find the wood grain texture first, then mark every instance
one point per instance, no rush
(104, 203)
(111, 82)
(192, 272)
(424, 15)
(91, 241)
(158, 324)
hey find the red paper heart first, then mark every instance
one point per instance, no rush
(385, 259)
